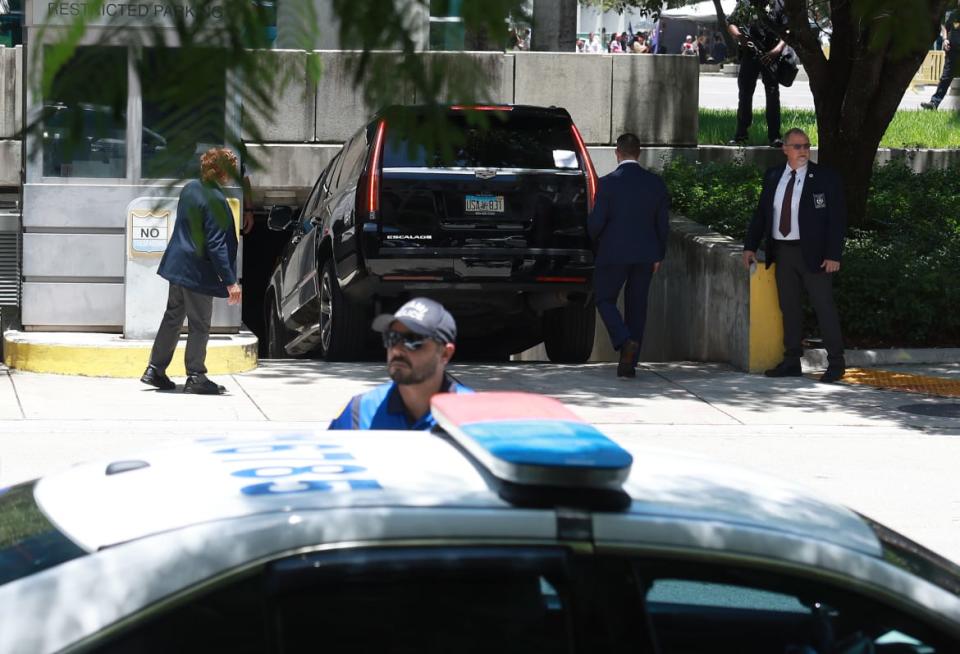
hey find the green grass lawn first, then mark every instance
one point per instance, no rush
(909, 129)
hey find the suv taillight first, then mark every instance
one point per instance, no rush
(372, 192)
(587, 166)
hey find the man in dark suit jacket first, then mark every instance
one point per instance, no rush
(629, 226)
(200, 263)
(803, 217)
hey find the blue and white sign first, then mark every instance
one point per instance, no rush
(149, 231)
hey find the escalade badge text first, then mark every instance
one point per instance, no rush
(409, 237)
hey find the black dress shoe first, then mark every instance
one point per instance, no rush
(776, 143)
(832, 374)
(200, 385)
(784, 369)
(929, 105)
(738, 140)
(628, 352)
(153, 377)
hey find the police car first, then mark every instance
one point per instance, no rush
(514, 528)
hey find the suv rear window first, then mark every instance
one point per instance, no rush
(509, 141)
(29, 542)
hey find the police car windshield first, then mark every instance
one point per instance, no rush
(29, 542)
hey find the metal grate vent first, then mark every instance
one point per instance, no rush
(9, 269)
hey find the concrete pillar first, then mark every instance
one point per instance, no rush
(554, 25)
(11, 91)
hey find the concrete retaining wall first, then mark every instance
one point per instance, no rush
(294, 117)
(606, 95)
(652, 97)
(700, 300)
(341, 109)
(582, 85)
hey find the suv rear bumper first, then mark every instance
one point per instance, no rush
(500, 271)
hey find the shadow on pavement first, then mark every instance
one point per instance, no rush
(664, 393)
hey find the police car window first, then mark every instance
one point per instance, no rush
(423, 600)
(750, 611)
(516, 141)
(29, 542)
(427, 600)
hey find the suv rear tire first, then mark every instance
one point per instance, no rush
(343, 325)
(568, 332)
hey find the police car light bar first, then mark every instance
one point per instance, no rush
(532, 440)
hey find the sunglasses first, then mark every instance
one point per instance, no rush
(410, 340)
(798, 146)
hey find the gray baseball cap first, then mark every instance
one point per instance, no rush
(422, 316)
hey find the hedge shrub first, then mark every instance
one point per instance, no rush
(900, 280)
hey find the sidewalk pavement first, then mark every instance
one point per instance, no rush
(889, 454)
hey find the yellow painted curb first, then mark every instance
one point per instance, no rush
(766, 321)
(95, 360)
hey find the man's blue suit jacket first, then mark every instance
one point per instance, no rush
(210, 266)
(631, 217)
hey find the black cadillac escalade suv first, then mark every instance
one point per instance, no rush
(494, 228)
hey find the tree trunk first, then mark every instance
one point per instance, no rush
(856, 93)
(554, 26)
(722, 27)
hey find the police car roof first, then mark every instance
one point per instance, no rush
(220, 478)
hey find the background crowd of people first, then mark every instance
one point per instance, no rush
(709, 48)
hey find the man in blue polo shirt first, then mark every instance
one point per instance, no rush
(420, 341)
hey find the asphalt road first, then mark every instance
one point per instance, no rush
(719, 91)
(851, 443)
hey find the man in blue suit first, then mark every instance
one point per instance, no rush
(802, 216)
(629, 227)
(200, 263)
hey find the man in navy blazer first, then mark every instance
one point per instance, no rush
(200, 263)
(629, 227)
(803, 217)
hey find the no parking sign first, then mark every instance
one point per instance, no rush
(149, 231)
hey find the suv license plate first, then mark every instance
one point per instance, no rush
(484, 205)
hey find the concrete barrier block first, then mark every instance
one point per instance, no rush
(284, 174)
(341, 107)
(495, 70)
(293, 117)
(920, 160)
(10, 161)
(699, 306)
(656, 98)
(579, 83)
(11, 106)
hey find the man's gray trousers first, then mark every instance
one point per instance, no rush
(198, 309)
